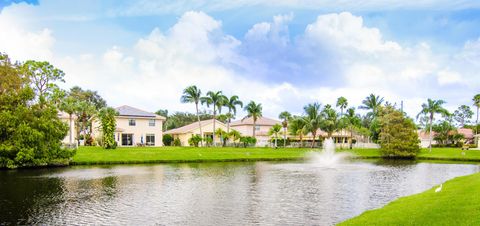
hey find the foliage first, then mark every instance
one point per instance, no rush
(431, 108)
(373, 103)
(274, 131)
(194, 140)
(179, 119)
(254, 110)
(208, 141)
(42, 77)
(313, 119)
(167, 139)
(442, 131)
(108, 125)
(217, 100)
(342, 103)
(177, 142)
(30, 131)
(330, 122)
(223, 135)
(463, 115)
(234, 135)
(248, 141)
(398, 135)
(192, 94)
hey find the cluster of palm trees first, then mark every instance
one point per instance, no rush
(217, 100)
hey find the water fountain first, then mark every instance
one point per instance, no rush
(328, 157)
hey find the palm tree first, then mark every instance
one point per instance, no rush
(232, 104)
(330, 122)
(285, 116)
(274, 131)
(431, 108)
(372, 103)
(297, 127)
(476, 103)
(222, 134)
(254, 110)
(313, 119)
(352, 120)
(69, 105)
(234, 135)
(192, 94)
(342, 103)
(217, 100)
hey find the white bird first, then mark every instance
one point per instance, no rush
(439, 188)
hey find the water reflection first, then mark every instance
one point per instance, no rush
(212, 194)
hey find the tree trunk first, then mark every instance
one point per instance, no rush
(430, 135)
(214, 119)
(275, 140)
(70, 129)
(351, 138)
(313, 142)
(199, 125)
(284, 136)
(476, 124)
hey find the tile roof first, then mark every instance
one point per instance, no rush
(190, 127)
(131, 111)
(261, 121)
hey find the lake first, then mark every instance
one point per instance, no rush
(267, 193)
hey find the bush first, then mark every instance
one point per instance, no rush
(167, 139)
(177, 142)
(208, 141)
(248, 141)
(194, 140)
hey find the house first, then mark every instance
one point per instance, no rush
(186, 132)
(136, 127)
(262, 127)
(424, 136)
(65, 117)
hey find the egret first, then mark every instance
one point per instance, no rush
(439, 188)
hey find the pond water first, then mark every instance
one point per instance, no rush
(281, 193)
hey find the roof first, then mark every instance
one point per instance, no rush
(261, 121)
(131, 111)
(467, 133)
(190, 127)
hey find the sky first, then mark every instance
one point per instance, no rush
(283, 54)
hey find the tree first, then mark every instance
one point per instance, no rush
(164, 113)
(342, 103)
(217, 100)
(431, 108)
(194, 140)
(179, 119)
(352, 121)
(297, 127)
(69, 105)
(222, 134)
(254, 110)
(43, 76)
(372, 103)
(274, 131)
(234, 135)
(192, 94)
(476, 103)
(463, 115)
(329, 122)
(313, 119)
(232, 104)
(442, 131)
(108, 125)
(167, 139)
(398, 135)
(285, 117)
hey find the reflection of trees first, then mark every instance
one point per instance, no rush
(26, 199)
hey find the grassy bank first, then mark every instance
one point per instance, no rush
(456, 204)
(447, 154)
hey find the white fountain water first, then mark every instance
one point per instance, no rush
(328, 157)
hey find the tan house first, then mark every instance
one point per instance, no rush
(186, 132)
(136, 127)
(262, 127)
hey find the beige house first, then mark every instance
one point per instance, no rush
(136, 127)
(262, 127)
(186, 132)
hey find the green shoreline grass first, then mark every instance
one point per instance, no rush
(133, 155)
(456, 204)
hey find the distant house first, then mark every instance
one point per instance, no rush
(186, 132)
(136, 127)
(262, 127)
(424, 137)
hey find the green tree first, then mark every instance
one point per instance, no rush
(372, 102)
(275, 130)
(167, 139)
(463, 115)
(296, 127)
(476, 103)
(232, 104)
(234, 135)
(313, 119)
(285, 116)
(398, 135)
(442, 131)
(43, 76)
(431, 108)
(108, 125)
(352, 121)
(330, 122)
(217, 100)
(192, 94)
(222, 134)
(194, 140)
(254, 110)
(342, 103)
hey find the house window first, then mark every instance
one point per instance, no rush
(151, 122)
(150, 139)
(127, 139)
(131, 122)
(257, 128)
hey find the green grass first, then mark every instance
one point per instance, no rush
(458, 203)
(97, 155)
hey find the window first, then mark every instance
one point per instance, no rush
(151, 122)
(150, 139)
(131, 122)
(127, 139)
(257, 128)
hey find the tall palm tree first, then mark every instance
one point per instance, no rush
(431, 108)
(476, 103)
(217, 100)
(285, 117)
(313, 119)
(372, 103)
(297, 127)
(352, 120)
(192, 94)
(254, 110)
(330, 122)
(274, 131)
(342, 103)
(232, 104)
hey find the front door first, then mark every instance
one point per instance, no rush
(127, 139)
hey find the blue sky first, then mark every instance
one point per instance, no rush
(283, 54)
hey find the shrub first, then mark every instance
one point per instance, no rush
(208, 141)
(248, 141)
(177, 142)
(167, 139)
(194, 140)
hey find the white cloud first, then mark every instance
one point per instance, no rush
(447, 77)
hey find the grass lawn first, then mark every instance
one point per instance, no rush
(458, 203)
(97, 155)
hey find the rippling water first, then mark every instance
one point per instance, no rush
(212, 194)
